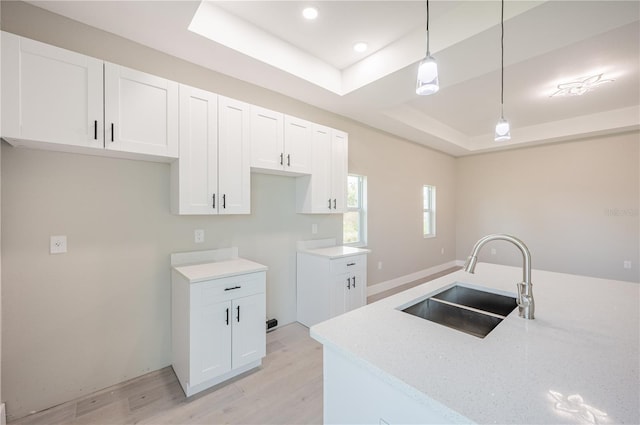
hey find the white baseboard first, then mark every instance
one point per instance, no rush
(393, 283)
(3, 415)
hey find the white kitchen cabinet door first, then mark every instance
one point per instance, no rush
(195, 174)
(325, 191)
(339, 170)
(297, 145)
(339, 294)
(322, 199)
(234, 157)
(141, 112)
(211, 339)
(50, 94)
(249, 335)
(347, 293)
(267, 139)
(355, 294)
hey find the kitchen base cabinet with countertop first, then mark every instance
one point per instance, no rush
(218, 311)
(330, 280)
(576, 362)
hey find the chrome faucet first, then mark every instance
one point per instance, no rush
(526, 305)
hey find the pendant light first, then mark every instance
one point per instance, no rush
(503, 132)
(428, 70)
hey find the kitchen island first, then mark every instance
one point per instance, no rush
(577, 362)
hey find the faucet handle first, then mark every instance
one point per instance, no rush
(525, 301)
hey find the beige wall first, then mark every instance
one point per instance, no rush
(574, 204)
(100, 314)
(395, 178)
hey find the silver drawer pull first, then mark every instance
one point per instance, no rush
(351, 264)
(231, 289)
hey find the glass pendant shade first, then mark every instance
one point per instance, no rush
(503, 132)
(427, 77)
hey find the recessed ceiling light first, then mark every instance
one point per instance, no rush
(360, 46)
(310, 13)
(580, 86)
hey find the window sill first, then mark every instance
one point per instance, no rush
(429, 236)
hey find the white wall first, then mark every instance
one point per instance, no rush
(395, 210)
(574, 204)
(100, 314)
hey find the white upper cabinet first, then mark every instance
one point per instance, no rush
(56, 99)
(267, 139)
(141, 112)
(297, 143)
(234, 156)
(339, 169)
(50, 94)
(194, 176)
(212, 174)
(325, 190)
(279, 142)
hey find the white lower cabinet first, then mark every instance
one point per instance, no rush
(218, 328)
(328, 287)
(347, 292)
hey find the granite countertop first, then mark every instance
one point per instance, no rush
(584, 341)
(215, 270)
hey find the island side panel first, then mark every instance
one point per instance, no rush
(354, 395)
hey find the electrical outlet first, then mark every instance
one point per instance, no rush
(198, 236)
(58, 244)
(627, 264)
(442, 251)
(493, 251)
(314, 229)
(379, 265)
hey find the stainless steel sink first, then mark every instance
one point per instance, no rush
(473, 311)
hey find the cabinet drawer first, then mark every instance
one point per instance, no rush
(228, 288)
(348, 264)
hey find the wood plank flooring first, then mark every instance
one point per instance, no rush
(287, 389)
(397, 289)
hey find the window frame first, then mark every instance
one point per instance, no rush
(361, 209)
(430, 210)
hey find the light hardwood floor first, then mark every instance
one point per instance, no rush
(397, 289)
(287, 389)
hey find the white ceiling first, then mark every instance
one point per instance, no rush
(269, 44)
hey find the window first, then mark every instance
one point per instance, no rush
(429, 213)
(354, 224)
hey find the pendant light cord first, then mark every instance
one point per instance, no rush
(502, 62)
(428, 53)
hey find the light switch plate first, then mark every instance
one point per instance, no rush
(58, 244)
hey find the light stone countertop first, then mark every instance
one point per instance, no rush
(336, 251)
(215, 270)
(584, 340)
